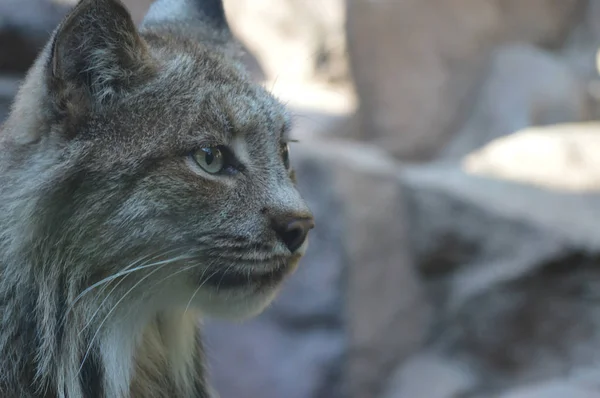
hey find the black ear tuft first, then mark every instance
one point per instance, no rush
(208, 12)
(96, 53)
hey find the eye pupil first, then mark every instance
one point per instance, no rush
(210, 159)
(285, 155)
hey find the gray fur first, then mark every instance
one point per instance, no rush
(108, 229)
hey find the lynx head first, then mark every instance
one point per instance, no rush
(148, 157)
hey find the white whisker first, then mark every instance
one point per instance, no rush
(165, 263)
(196, 291)
(223, 276)
(125, 271)
(198, 288)
(117, 285)
(189, 267)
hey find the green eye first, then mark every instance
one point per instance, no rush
(285, 155)
(210, 159)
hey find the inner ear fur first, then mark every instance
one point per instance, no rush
(96, 54)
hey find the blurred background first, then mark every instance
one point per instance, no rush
(450, 151)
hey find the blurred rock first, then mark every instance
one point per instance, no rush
(355, 306)
(294, 40)
(137, 9)
(513, 273)
(553, 389)
(561, 157)
(8, 89)
(416, 63)
(525, 86)
(317, 111)
(583, 42)
(387, 311)
(430, 376)
(480, 231)
(535, 327)
(25, 26)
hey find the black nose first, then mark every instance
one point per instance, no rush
(293, 231)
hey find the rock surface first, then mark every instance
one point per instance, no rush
(563, 157)
(554, 389)
(513, 272)
(525, 86)
(294, 40)
(417, 63)
(580, 49)
(447, 378)
(138, 9)
(581, 383)
(458, 220)
(8, 89)
(25, 26)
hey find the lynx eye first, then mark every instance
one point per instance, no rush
(285, 155)
(210, 159)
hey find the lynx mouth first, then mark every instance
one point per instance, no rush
(229, 279)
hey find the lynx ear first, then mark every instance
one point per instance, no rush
(96, 53)
(193, 13)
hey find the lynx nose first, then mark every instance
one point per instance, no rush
(293, 231)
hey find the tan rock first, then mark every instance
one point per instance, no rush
(553, 389)
(137, 8)
(525, 86)
(25, 26)
(483, 230)
(428, 375)
(8, 89)
(417, 62)
(387, 313)
(563, 157)
(512, 270)
(294, 40)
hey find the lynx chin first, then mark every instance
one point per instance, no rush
(145, 182)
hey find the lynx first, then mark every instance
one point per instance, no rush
(145, 182)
